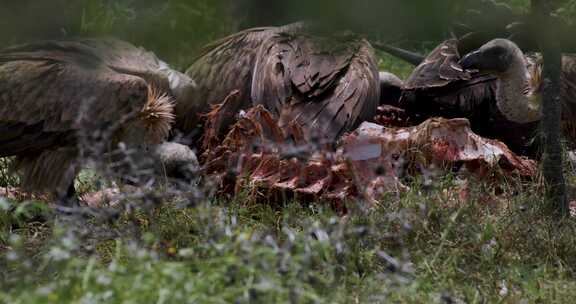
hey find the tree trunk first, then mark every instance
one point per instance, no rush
(551, 107)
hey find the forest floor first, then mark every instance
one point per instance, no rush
(431, 244)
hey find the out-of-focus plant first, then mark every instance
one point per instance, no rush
(7, 179)
(174, 29)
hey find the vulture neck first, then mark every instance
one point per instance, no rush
(517, 96)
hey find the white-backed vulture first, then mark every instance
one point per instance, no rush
(519, 90)
(54, 95)
(439, 86)
(326, 83)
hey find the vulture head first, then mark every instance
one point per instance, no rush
(518, 94)
(176, 161)
(497, 56)
(390, 88)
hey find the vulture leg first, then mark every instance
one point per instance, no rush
(70, 198)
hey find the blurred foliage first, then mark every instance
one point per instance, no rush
(174, 29)
(7, 179)
(519, 5)
(565, 9)
(177, 29)
(422, 246)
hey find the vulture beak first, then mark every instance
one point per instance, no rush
(471, 60)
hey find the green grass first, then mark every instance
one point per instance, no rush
(424, 246)
(392, 65)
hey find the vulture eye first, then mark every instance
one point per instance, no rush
(496, 51)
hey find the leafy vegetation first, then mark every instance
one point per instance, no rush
(424, 246)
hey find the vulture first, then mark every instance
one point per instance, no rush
(480, 87)
(439, 86)
(326, 83)
(519, 92)
(61, 97)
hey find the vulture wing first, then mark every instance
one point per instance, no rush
(439, 68)
(440, 85)
(128, 59)
(225, 66)
(51, 91)
(328, 84)
(325, 84)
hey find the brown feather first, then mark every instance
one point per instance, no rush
(326, 84)
(440, 87)
(53, 91)
(348, 99)
(49, 171)
(157, 115)
(225, 66)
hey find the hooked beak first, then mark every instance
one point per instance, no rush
(470, 61)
